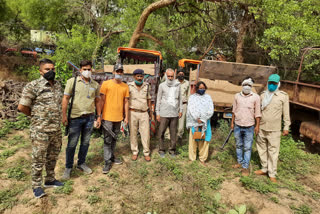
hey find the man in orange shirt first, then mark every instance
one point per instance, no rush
(114, 99)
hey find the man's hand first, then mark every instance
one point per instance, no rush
(126, 121)
(199, 121)
(98, 122)
(180, 114)
(285, 132)
(64, 120)
(256, 130)
(232, 126)
(158, 118)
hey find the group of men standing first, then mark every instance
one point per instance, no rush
(261, 116)
(116, 101)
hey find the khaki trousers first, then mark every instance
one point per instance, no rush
(139, 120)
(203, 147)
(268, 146)
(181, 124)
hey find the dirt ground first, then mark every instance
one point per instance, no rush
(169, 185)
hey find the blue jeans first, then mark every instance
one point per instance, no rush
(83, 126)
(244, 140)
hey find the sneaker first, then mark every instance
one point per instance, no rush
(106, 168)
(162, 154)
(116, 161)
(66, 174)
(38, 192)
(54, 183)
(84, 167)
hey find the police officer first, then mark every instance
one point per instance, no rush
(274, 106)
(41, 99)
(139, 105)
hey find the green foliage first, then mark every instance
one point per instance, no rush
(172, 166)
(93, 189)
(114, 175)
(8, 196)
(275, 199)
(214, 183)
(93, 199)
(242, 209)
(294, 161)
(21, 123)
(7, 153)
(302, 209)
(65, 189)
(16, 173)
(258, 185)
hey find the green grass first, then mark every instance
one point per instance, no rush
(93, 199)
(16, 173)
(66, 189)
(8, 197)
(259, 185)
(302, 209)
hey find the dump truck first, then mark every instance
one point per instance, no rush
(132, 58)
(304, 104)
(224, 79)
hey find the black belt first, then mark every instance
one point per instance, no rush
(184, 102)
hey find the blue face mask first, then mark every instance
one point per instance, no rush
(272, 87)
(138, 83)
(201, 91)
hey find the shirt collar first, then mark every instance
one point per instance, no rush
(251, 93)
(45, 82)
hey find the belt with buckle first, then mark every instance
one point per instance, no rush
(137, 110)
(87, 115)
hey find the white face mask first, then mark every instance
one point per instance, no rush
(118, 77)
(86, 74)
(246, 89)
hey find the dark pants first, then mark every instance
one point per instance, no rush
(83, 126)
(172, 122)
(109, 142)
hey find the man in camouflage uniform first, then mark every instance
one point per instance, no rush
(41, 99)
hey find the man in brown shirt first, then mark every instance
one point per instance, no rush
(139, 105)
(275, 105)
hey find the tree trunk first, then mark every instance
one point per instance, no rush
(241, 37)
(144, 17)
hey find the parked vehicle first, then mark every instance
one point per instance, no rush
(27, 52)
(304, 104)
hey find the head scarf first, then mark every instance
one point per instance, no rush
(268, 97)
(199, 107)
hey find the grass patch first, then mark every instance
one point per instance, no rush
(93, 199)
(258, 185)
(214, 183)
(7, 153)
(172, 166)
(65, 189)
(303, 209)
(16, 173)
(8, 196)
(21, 123)
(93, 189)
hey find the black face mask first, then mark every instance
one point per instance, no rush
(50, 75)
(180, 77)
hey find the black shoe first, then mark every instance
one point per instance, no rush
(54, 183)
(38, 192)
(116, 161)
(106, 168)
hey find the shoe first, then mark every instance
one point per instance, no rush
(84, 167)
(38, 192)
(162, 154)
(237, 166)
(147, 158)
(273, 180)
(66, 174)
(245, 172)
(260, 172)
(134, 157)
(106, 168)
(54, 183)
(116, 161)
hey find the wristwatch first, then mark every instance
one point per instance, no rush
(100, 115)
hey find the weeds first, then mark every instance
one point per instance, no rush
(242, 209)
(275, 199)
(258, 185)
(214, 183)
(65, 189)
(93, 199)
(16, 173)
(7, 153)
(172, 166)
(8, 196)
(303, 209)
(21, 123)
(93, 189)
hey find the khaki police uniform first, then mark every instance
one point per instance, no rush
(44, 101)
(268, 139)
(139, 117)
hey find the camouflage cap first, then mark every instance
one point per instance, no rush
(117, 67)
